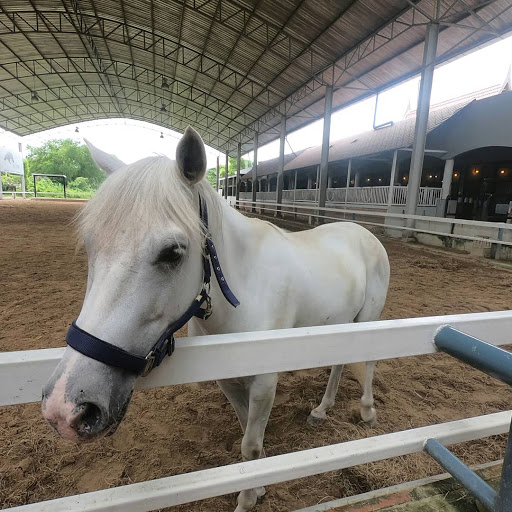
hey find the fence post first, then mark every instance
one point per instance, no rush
(496, 248)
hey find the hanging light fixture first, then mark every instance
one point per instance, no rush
(165, 83)
(161, 135)
(34, 96)
(76, 130)
(162, 108)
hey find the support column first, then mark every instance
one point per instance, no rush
(238, 177)
(226, 180)
(324, 161)
(280, 167)
(217, 187)
(268, 184)
(349, 172)
(392, 178)
(310, 182)
(23, 186)
(420, 132)
(329, 181)
(294, 186)
(447, 178)
(254, 172)
(357, 178)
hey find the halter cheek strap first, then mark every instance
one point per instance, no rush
(112, 355)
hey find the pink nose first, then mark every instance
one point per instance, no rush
(74, 422)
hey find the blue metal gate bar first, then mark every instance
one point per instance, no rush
(504, 501)
(495, 362)
(480, 489)
(485, 357)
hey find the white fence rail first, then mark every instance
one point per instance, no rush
(234, 355)
(180, 489)
(204, 358)
(496, 233)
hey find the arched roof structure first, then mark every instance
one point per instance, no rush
(227, 67)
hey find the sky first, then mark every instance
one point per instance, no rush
(131, 140)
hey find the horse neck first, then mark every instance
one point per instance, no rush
(232, 233)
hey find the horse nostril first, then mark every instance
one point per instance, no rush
(88, 419)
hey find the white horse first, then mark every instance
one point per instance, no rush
(145, 245)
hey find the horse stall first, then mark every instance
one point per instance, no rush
(181, 436)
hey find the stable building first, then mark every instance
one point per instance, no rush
(467, 166)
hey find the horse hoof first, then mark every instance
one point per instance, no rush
(260, 492)
(369, 418)
(314, 421)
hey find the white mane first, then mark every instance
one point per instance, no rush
(138, 196)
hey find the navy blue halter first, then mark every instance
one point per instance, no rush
(112, 355)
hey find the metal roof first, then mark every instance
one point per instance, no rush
(270, 166)
(231, 66)
(397, 136)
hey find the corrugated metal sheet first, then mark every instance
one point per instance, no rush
(270, 166)
(399, 135)
(233, 66)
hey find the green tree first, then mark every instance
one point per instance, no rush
(63, 157)
(211, 174)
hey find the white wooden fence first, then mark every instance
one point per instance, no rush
(234, 355)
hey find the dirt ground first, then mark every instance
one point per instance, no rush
(179, 429)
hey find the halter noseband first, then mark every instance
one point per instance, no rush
(112, 355)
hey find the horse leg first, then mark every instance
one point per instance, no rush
(319, 414)
(364, 372)
(262, 391)
(238, 397)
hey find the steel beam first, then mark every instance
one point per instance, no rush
(479, 488)
(392, 178)
(324, 161)
(447, 177)
(280, 167)
(487, 358)
(238, 177)
(349, 172)
(254, 172)
(218, 174)
(504, 500)
(420, 132)
(226, 176)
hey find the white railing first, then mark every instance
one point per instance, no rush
(377, 196)
(235, 355)
(399, 196)
(368, 195)
(429, 196)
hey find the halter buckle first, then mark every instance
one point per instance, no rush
(150, 358)
(208, 310)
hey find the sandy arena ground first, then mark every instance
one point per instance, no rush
(186, 428)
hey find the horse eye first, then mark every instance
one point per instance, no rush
(171, 255)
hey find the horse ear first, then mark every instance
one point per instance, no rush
(191, 156)
(109, 163)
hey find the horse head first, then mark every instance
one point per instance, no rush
(144, 243)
